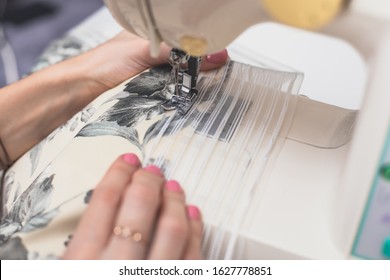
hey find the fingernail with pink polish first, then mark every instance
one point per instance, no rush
(131, 159)
(173, 186)
(154, 170)
(217, 58)
(193, 212)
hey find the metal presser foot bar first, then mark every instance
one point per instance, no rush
(185, 71)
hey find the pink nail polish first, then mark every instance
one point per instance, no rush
(193, 212)
(131, 159)
(154, 170)
(217, 58)
(173, 186)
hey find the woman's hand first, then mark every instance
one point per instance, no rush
(127, 55)
(135, 213)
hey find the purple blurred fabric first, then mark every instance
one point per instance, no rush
(30, 25)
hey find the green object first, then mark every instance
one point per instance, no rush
(386, 248)
(385, 171)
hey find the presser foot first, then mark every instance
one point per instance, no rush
(184, 75)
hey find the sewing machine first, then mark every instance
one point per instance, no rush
(329, 189)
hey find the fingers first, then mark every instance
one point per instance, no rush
(137, 215)
(213, 61)
(194, 245)
(96, 224)
(209, 62)
(173, 230)
(127, 55)
(179, 229)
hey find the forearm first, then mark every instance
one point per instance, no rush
(33, 107)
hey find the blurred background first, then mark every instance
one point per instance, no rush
(28, 26)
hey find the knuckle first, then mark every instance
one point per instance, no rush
(174, 226)
(106, 195)
(142, 195)
(143, 178)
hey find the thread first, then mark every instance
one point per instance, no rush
(220, 148)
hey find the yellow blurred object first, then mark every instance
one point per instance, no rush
(193, 46)
(307, 14)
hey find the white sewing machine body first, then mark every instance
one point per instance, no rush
(323, 197)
